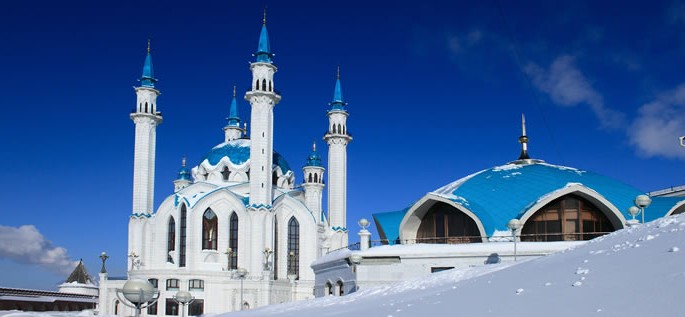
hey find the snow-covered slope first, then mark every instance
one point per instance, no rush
(633, 272)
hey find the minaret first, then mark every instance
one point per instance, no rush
(233, 130)
(262, 98)
(523, 139)
(146, 118)
(313, 183)
(183, 178)
(337, 139)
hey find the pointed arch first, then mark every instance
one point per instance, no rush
(171, 239)
(339, 291)
(225, 173)
(270, 87)
(328, 289)
(334, 130)
(233, 240)
(264, 84)
(343, 130)
(257, 85)
(309, 178)
(183, 233)
(146, 107)
(316, 178)
(210, 226)
(294, 247)
(339, 128)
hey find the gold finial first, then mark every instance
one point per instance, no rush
(148, 46)
(337, 76)
(183, 162)
(264, 21)
(314, 146)
(233, 90)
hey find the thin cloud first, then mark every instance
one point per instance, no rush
(566, 86)
(658, 126)
(27, 245)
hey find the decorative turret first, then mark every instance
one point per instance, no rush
(337, 139)
(263, 99)
(233, 130)
(79, 282)
(313, 183)
(183, 177)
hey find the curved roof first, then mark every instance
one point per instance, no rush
(501, 193)
(238, 153)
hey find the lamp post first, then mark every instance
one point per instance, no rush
(642, 202)
(242, 273)
(103, 257)
(184, 298)
(514, 225)
(267, 253)
(633, 211)
(137, 294)
(229, 255)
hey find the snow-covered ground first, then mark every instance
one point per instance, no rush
(638, 271)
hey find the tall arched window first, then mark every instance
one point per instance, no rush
(339, 291)
(182, 246)
(257, 85)
(316, 178)
(225, 173)
(264, 84)
(339, 128)
(146, 107)
(294, 247)
(334, 129)
(310, 178)
(275, 249)
(233, 240)
(567, 218)
(171, 239)
(210, 225)
(270, 88)
(343, 131)
(328, 289)
(443, 223)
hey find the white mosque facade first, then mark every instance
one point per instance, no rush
(237, 232)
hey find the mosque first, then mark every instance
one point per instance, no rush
(237, 232)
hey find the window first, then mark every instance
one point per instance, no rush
(257, 85)
(152, 309)
(233, 241)
(182, 253)
(225, 173)
(443, 223)
(171, 239)
(264, 84)
(436, 269)
(196, 307)
(270, 89)
(196, 285)
(328, 289)
(172, 284)
(209, 230)
(294, 247)
(275, 249)
(154, 282)
(309, 178)
(316, 178)
(567, 218)
(171, 307)
(339, 288)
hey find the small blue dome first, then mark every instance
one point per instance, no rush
(183, 174)
(238, 152)
(314, 158)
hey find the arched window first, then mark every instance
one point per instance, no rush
(264, 84)
(328, 289)
(334, 131)
(309, 178)
(339, 128)
(171, 239)
(316, 178)
(270, 89)
(233, 240)
(152, 108)
(294, 247)
(275, 249)
(339, 291)
(567, 218)
(443, 223)
(210, 225)
(182, 246)
(257, 85)
(343, 131)
(225, 173)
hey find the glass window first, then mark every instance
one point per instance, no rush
(182, 253)
(171, 239)
(172, 284)
(443, 223)
(196, 307)
(294, 247)
(154, 282)
(196, 285)
(209, 230)
(152, 309)
(233, 241)
(171, 307)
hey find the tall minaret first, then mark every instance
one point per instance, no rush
(313, 183)
(262, 98)
(337, 139)
(233, 130)
(146, 118)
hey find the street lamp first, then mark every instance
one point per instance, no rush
(229, 255)
(103, 257)
(137, 294)
(184, 298)
(642, 202)
(242, 273)
(513, 225)
(633, 211)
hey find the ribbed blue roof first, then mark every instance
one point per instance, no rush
(148, 78)
(238, 152)
(233, 119)
(338, 103)
(499, 194)
(263, 48)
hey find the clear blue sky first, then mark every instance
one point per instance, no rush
(435, 91)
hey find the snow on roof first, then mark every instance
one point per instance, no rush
(237, 153)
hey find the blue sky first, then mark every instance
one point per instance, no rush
(435, 92)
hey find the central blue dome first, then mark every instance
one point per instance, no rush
(238, 153)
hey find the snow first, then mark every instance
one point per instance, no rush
(447, 190)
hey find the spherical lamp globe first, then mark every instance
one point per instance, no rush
(643, 201)
(138, 291)
(183, 297)
(363, 223)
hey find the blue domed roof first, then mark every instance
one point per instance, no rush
(501, 193)
(238, 153)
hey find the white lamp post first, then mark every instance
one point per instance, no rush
(642, 202)
(184, 298)
(242, 273)
(514, 225)
(633, 211)
(137, 294)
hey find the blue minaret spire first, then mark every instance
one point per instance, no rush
(314, 158)
(148, 78)
(233, 118)
(338, 103)
(264, 54)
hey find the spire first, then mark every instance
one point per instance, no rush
(338, 103)
(233, 119)
(264, 54)
(523, 139)
(183, 173)
(79, 275)
(314, 158)
(148, 78)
